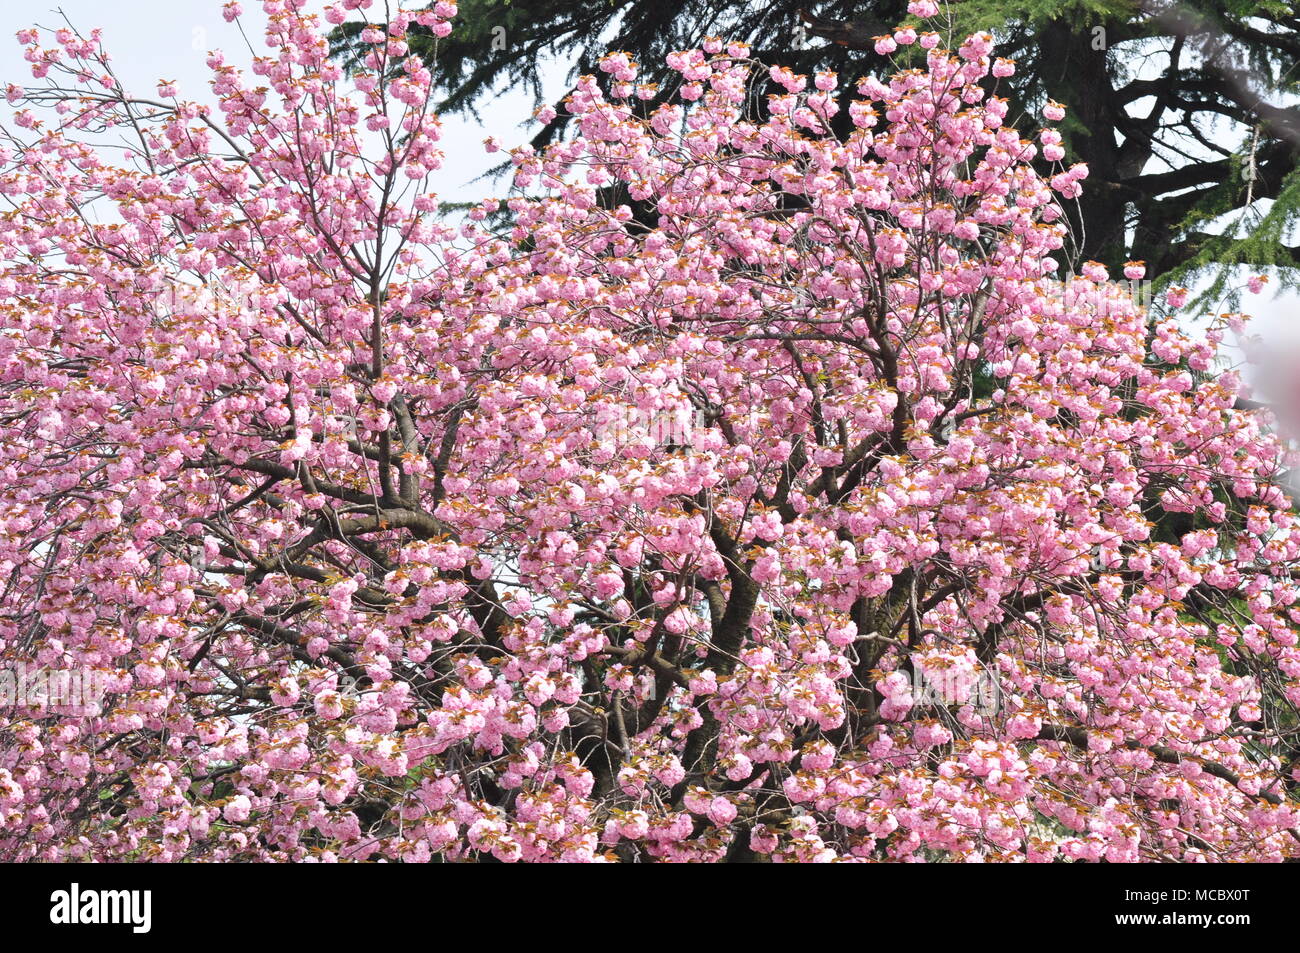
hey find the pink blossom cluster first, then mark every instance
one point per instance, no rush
(368, 576)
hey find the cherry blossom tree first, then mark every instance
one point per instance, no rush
(812, 523)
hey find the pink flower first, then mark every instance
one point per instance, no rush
(1094, 271)
(721, 811)
(328, 704)
(237, 809)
